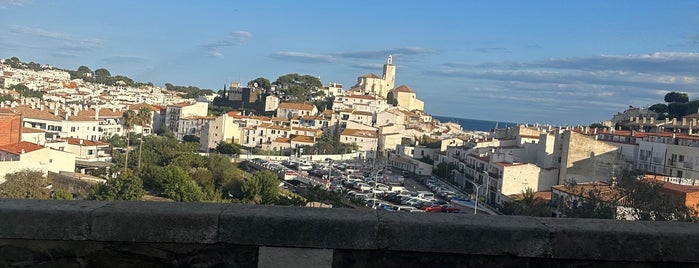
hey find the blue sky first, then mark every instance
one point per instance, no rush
(559, 62)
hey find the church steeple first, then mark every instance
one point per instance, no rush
(389, 76)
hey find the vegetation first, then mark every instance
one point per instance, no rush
(126, 186)
(262, 188)
(261, 83)
(191, 92)
(26, 183)
(299, 88)
(329, 143)
(639, 199)
(677, 105)
(6, 97)
(24, 91)
(528, 205)
(391, 99)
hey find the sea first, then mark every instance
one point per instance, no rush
(474, 124)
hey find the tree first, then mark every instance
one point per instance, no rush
(262, 188)
(261, 83)
(130, 120)
(26, 92)
(390, 99)
(126, 186)
(62, 195)
(528, 205)
(6, 97)
(677, 109)
(597, 125)
(676, 97)
(227, 148)
(659, 108)
(26, 183)
(178, 186)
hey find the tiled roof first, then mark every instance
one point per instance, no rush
(302, 138)
(403, 88)
(282, 140)
(32, 130)
(607, 193)
(104, 112)
(359, 133)
(296, 106)
(358, 96)
(76, 141)
(28, 112)
(370, 75)
(22, 146)
(140, 105)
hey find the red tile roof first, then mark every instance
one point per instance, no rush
(21, 147)
(403, 88)
(76, 141)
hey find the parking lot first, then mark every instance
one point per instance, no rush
(373, 185)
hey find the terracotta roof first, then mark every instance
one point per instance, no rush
(370, 75)
(181, 104)
(32, 130)
(282, 140)
(359, 133)
(403, 88)
(76, 141)
(22, 146)
(296, 106)
(607, 193)
(358, 96)
(280, 118)
(362, 113)
(28, 112)
(303, 138)
(140, 105)
(104, 112)
(6, 111)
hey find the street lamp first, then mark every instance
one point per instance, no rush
(487, 183)
(475, 208)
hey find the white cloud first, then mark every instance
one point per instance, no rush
(302, 57)
(235, 38)
(67, 41)
(10, 3)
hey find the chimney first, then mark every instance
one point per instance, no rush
(652, 120)
(684, 121)
(67, 114)
(595, 131)
(41, 106)
(667, 120)
(645, 120)
(22, 152)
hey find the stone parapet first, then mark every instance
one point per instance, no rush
(136, 234)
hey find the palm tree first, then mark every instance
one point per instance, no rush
(130, 120)
(144, 118)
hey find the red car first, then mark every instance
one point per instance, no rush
(433, 208)
(450, 209)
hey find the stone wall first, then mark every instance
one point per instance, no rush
(48, 233)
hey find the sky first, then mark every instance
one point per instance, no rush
(547, 62)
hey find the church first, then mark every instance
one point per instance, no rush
(371, 84)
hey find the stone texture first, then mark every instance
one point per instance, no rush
(299, 227)
(594, 239)
(157, 222)
(272, 257)
(38, 253)
(44, 219)
(463, 233)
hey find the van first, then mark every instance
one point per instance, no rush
(427, 195)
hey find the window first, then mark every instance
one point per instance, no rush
(72, 129)
(679, 173)
(680, 158)
(90, 152)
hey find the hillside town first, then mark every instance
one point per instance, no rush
(66, 131)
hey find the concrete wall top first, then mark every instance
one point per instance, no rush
(354, 229)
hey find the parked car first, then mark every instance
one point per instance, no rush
(450, 209)
(433, 208)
